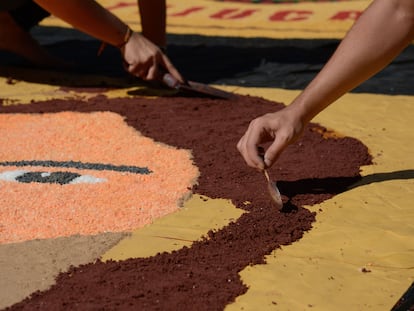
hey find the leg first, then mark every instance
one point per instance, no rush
(15, 38)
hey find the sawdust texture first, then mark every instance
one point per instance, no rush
(90, 175)
(33, 265)
(205, 275)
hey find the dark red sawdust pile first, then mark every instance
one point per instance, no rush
(205, 276)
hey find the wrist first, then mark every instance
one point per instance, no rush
(299, 110)
(127, 36)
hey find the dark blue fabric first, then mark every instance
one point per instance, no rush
(26, 13)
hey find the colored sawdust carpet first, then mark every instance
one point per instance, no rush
(80, 170)
(205, 275)
(74, 151)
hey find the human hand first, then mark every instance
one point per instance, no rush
(283, 127)
(145, 60)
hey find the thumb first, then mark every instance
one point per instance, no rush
(273, 152)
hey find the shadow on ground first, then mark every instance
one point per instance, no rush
(249, 62)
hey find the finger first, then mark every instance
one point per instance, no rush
(241, 147)
(138, 71)
(132, 69)
(165, 62)
(251, 142)
(253, 155)
(152, 73)
(274, 151)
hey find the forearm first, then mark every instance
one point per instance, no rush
(379, 35)
(89, 17)
(153, 20)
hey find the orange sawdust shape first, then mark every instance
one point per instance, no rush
(105, 200)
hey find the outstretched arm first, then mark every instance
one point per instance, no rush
(380, 34)
(144, 58)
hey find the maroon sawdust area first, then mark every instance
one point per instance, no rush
(205, 276)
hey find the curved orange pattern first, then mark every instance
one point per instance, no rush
(102, 199)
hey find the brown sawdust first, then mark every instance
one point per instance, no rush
(205, 275)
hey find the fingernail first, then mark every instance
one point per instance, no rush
(267, 162)
(260, 166)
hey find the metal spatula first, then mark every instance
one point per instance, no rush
(271, 185)
(196, 88)
(273, 191)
